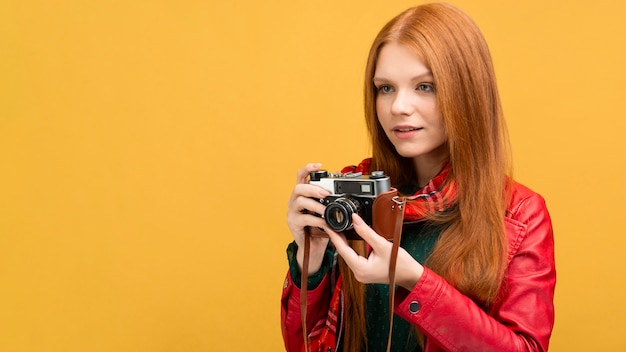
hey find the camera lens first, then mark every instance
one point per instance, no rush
(338, 214)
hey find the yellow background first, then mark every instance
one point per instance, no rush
(148, 149)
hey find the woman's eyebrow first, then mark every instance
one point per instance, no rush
(428, 74)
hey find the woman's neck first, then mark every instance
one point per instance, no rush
(428, 166)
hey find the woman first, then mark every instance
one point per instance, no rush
(475, 271)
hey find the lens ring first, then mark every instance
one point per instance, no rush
(338, 214)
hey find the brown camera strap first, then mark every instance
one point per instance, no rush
(397, 235)
(392, 281)
(304, 285)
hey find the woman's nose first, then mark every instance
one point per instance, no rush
(402, 104)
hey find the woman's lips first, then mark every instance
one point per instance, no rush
(403, 132)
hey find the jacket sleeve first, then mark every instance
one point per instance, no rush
(318, 302)
(318, 299)
(523, 315)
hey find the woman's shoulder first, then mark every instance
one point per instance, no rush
(523, 201)
(528, 225)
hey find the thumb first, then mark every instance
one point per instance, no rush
(366, 232)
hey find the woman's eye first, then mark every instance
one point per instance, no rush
(385, 89)
(426, 87)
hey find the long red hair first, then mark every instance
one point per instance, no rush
(472, 249)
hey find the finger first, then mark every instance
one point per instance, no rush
(300, 221)
(367, 233)
(303, 173)
(307, 205)
(309, 191)
(343, 248)
(307, 197)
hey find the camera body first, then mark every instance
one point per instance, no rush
(351, 193)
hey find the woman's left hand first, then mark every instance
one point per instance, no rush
(375, 268)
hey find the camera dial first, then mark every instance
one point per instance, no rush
(377, 175)
(318, 175)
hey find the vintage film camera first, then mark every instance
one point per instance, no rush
(372, 198)
(352, 193)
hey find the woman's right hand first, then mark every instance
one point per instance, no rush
(302, 212)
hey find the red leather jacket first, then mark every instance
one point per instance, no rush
(521, 320)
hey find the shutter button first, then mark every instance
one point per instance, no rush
(414, 307)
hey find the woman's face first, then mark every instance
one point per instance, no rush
(406, 105)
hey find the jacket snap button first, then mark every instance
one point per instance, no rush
(414, 307)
